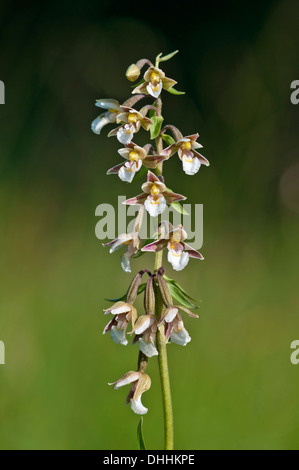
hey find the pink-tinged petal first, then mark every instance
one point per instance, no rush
(137, 200)
(192, 137)
(168, 83)
(140, 89)
(169, 151)
(151, 161)
(114, 131)
(196, 145)
(152, 178)
(173, 197)
(126, 379)
(155, 205)
(109, 326)
(146, 123)
(201, 158)
(115, 169)
(192, 253)
(155, 246)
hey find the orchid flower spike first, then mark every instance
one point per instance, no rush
(179, 252)
(186, 148)
(141, 382)
(154, 81)
(135, 157)
(124, 313)
(132, 121)
(131, 241)
(155, 196)
(113, 109)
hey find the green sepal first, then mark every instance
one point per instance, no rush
(173, 91)
(179, 208)
(168, 139)
(155, 128)
(179, 294)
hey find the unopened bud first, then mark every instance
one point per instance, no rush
(149, 296)
(134, 286)
(133, 72)
(163, 288)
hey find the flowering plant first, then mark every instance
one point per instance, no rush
(161, 322)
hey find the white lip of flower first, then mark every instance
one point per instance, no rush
(113, 109)
(145, 330)
(123, 313)
(155, 204)
(141, 382)
(125, 134)
(128, 171)
(177, 258)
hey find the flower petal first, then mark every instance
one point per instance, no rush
(127, 172)
(138, 407)
(128, 378)
(147, 347)
(178, 260)
(190, 165)
(125, 134)
(180, 337)
(98, 123)
(155, 205)
(108, 104)
(153, 90)
(118, 335)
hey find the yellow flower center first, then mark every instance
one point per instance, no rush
(112, 110)
(133, 156)
(186, 145)
(172, 245)
(155, 190)
(132, 118)
(155, 77)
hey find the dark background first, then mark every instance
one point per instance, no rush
(234, 386)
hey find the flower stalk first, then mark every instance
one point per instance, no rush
(161, 322)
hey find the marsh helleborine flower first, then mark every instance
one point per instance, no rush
(179, 252)
(155, 196)
(141, 382)
(113, 109)
(186, 148)
(154, 81)
(132, 121)
(135, 157)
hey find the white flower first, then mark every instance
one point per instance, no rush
(113, 109)
(141, 382)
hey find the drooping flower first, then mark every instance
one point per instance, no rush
(154, 81)
(131, 241)
(113, 109)
(141, 382)
(145, 330)
(131, 121)
(174, 325)
(136, 157)
(155, 196)
(186, 148)
(179, 252)
(124, 313)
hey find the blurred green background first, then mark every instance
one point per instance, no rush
(233, 386)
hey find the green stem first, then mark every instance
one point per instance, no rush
(161, 342)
